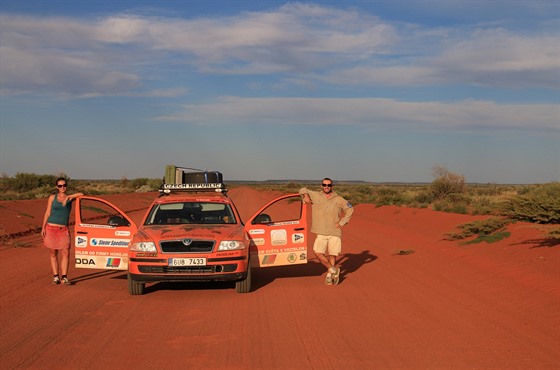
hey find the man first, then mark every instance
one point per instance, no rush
(327, 209)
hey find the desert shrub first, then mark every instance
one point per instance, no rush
(482, 209)
(125, 182)
(154, 184)
(138, 183)
(490, 190)
(539, 204)
(554, 233)
(450, 206)
(363, 189)
(388, 196)
(424, 197)
(446, 183)
(23, 182)
(292, 186)
(143, 189)
(488, 230)
(144, 184)
(93, 192)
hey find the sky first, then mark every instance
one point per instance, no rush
(378, 91)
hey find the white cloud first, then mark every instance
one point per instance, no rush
(373, 113)
(75, 55)
(493, 58)
(119, 53)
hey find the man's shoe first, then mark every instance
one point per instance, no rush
(328, 279)
(336, 276)
(55, 280)
(65, 281)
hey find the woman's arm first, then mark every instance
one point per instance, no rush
(74, 196)
(47, 214)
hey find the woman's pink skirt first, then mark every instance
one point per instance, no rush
(56, 237)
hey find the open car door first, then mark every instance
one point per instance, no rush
(101, 234)
(279, 233)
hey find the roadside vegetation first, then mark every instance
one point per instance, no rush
(33, 186)
(448, 192)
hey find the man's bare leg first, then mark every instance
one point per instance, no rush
(325, 261)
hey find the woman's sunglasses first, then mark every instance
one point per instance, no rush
(61, 186)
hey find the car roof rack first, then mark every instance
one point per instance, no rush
(184, 179)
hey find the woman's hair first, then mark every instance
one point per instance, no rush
(61, 179)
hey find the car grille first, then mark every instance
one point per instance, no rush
(211, 269)
(196, 246)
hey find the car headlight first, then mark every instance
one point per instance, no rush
(143, 247)
(229, 245)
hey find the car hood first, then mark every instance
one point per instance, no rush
(171, 232)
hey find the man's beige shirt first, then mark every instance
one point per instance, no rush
(328, 212)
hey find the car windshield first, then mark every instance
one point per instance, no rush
(201, 213)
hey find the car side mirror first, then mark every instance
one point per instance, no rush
(263, 218)
(117, 221)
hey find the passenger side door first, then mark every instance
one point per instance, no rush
(101, 234)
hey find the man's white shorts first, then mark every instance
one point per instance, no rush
(330, 245)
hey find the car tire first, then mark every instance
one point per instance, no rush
(244, 286)
(135, 287)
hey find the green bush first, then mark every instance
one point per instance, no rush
(538, 204)
(23, 182)
(489, 230)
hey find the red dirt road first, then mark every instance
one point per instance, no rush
(443, 307)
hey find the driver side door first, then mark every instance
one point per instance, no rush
(279, 232)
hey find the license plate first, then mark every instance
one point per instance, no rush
(199, 261)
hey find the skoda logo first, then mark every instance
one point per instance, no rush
(187, 241)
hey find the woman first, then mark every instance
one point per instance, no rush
(55, 232)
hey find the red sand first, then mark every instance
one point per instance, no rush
(443, 307)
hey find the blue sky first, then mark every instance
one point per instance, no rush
(354, 90)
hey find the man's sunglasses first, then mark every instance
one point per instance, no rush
(61, 186)
(327, 185)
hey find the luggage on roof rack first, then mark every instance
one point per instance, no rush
(190, 179)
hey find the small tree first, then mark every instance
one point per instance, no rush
(446, 183)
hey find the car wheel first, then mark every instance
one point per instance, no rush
(244, 286)
(135, 287)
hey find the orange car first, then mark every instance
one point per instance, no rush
(191, 232)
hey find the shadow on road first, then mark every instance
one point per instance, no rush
(199, 285)
(100, 274)
(348, 263)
